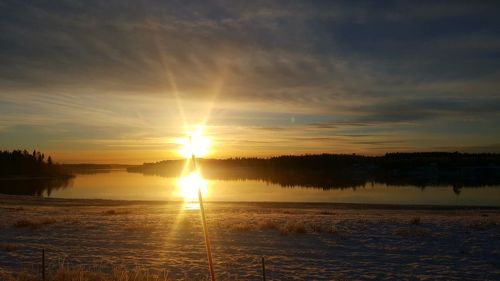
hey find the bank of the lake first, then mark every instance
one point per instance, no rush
(299, 241)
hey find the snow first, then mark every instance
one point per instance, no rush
(298, 241)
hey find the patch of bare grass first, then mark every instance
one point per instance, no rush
(481, 225)
(413, 231)
(8, 247)
(79, 274)
(24, 223)
(293, 227)
(415, 221)
(315, 227)
(19, 276)
(139, 228)
(267, 225)
(33, 223)
(241, 227)
(116, 212)
(341, 233)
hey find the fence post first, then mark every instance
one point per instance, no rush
(43, 264)
(263, 269)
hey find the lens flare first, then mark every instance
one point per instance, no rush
(188, 186)
(197, 145)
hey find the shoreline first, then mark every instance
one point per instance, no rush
(326, 241)
(43, 177)
(35, 200)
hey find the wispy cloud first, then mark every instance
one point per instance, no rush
(315, 75)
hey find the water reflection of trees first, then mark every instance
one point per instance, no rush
(332, 180)
(25, 173)
(34, 186)
(349, 171)
(287, 178)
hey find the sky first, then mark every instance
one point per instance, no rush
(120, 81)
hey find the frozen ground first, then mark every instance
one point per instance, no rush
(299, 241)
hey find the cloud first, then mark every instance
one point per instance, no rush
(142, 69)
(278, 51)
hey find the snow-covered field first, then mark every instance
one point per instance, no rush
(298, 241)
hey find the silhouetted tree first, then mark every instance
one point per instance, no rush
(17, 163)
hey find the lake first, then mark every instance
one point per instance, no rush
(121, 185)
(326, 242)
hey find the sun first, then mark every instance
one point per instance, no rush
(197, 144)
(189, 185)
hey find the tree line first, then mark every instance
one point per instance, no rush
(24, 163)
(347, 170)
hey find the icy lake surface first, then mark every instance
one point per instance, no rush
(121, 185)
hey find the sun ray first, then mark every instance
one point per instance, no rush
(197, 144)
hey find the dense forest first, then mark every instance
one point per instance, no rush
(343, 170)
(21, 163)
(25, 173)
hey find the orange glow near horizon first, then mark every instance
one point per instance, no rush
(235, 144)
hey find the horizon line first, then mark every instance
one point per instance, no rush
(288, 155)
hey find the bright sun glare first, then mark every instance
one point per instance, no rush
(188, 186)
(198, 145)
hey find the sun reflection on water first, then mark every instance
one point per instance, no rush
(188, 186)
(191, 206)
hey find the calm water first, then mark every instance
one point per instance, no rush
(131, 186)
